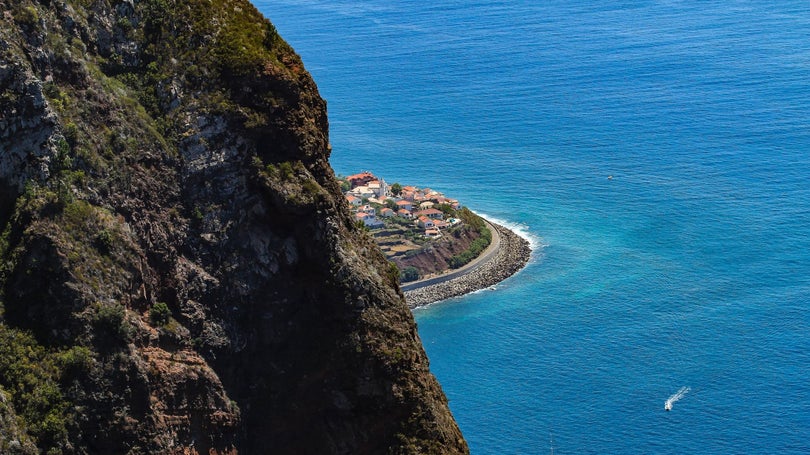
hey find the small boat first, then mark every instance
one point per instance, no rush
(675, 397)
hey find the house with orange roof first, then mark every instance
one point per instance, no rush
(425, 222)
(354, 200)
(441, 224)
(404, 213)
(387, 212)
(434, 214)
(360, 179)
(369, 219)
(405, 205)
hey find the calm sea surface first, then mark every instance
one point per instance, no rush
(689, 267)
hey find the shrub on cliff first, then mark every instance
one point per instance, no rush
(160, 314)
(476, 248)
(31, 374)
(471, 219)
(409, 273)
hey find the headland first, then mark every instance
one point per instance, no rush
(441, 248)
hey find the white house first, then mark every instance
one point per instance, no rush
(363, 192)
(441, 224)
(369, 220)
(405, 205)
(434, 214)
(379, 187)
(425, 222)
(354, 200)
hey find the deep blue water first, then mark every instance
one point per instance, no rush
(690, 267)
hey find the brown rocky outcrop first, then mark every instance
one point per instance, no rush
(435, 257)
(177, 263)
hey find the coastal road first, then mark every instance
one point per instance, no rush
(483, 258)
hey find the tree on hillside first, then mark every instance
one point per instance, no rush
(447, 209)
(396, 189)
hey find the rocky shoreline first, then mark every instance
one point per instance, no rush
(512, 255)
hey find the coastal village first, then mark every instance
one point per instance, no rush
(422, 231)
(429, 235)
(374, 202)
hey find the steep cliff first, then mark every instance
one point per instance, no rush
(178, 270)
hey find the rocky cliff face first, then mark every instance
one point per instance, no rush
(179, 271)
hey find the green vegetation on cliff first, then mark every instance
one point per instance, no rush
(478, 245)
(33, 376)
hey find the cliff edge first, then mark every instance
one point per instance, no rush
(179, 272)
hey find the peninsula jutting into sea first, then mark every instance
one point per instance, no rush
(442, 249)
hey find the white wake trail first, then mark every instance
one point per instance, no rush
(675, 397)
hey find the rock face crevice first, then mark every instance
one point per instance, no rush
(27, 128)
(177, 258)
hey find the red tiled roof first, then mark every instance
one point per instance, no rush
(361, 175)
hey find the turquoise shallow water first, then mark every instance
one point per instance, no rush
(688, 268)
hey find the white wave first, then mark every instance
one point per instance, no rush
(520, 229)
(675, 397)
(488, 288)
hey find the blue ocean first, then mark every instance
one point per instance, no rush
(657, 155)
